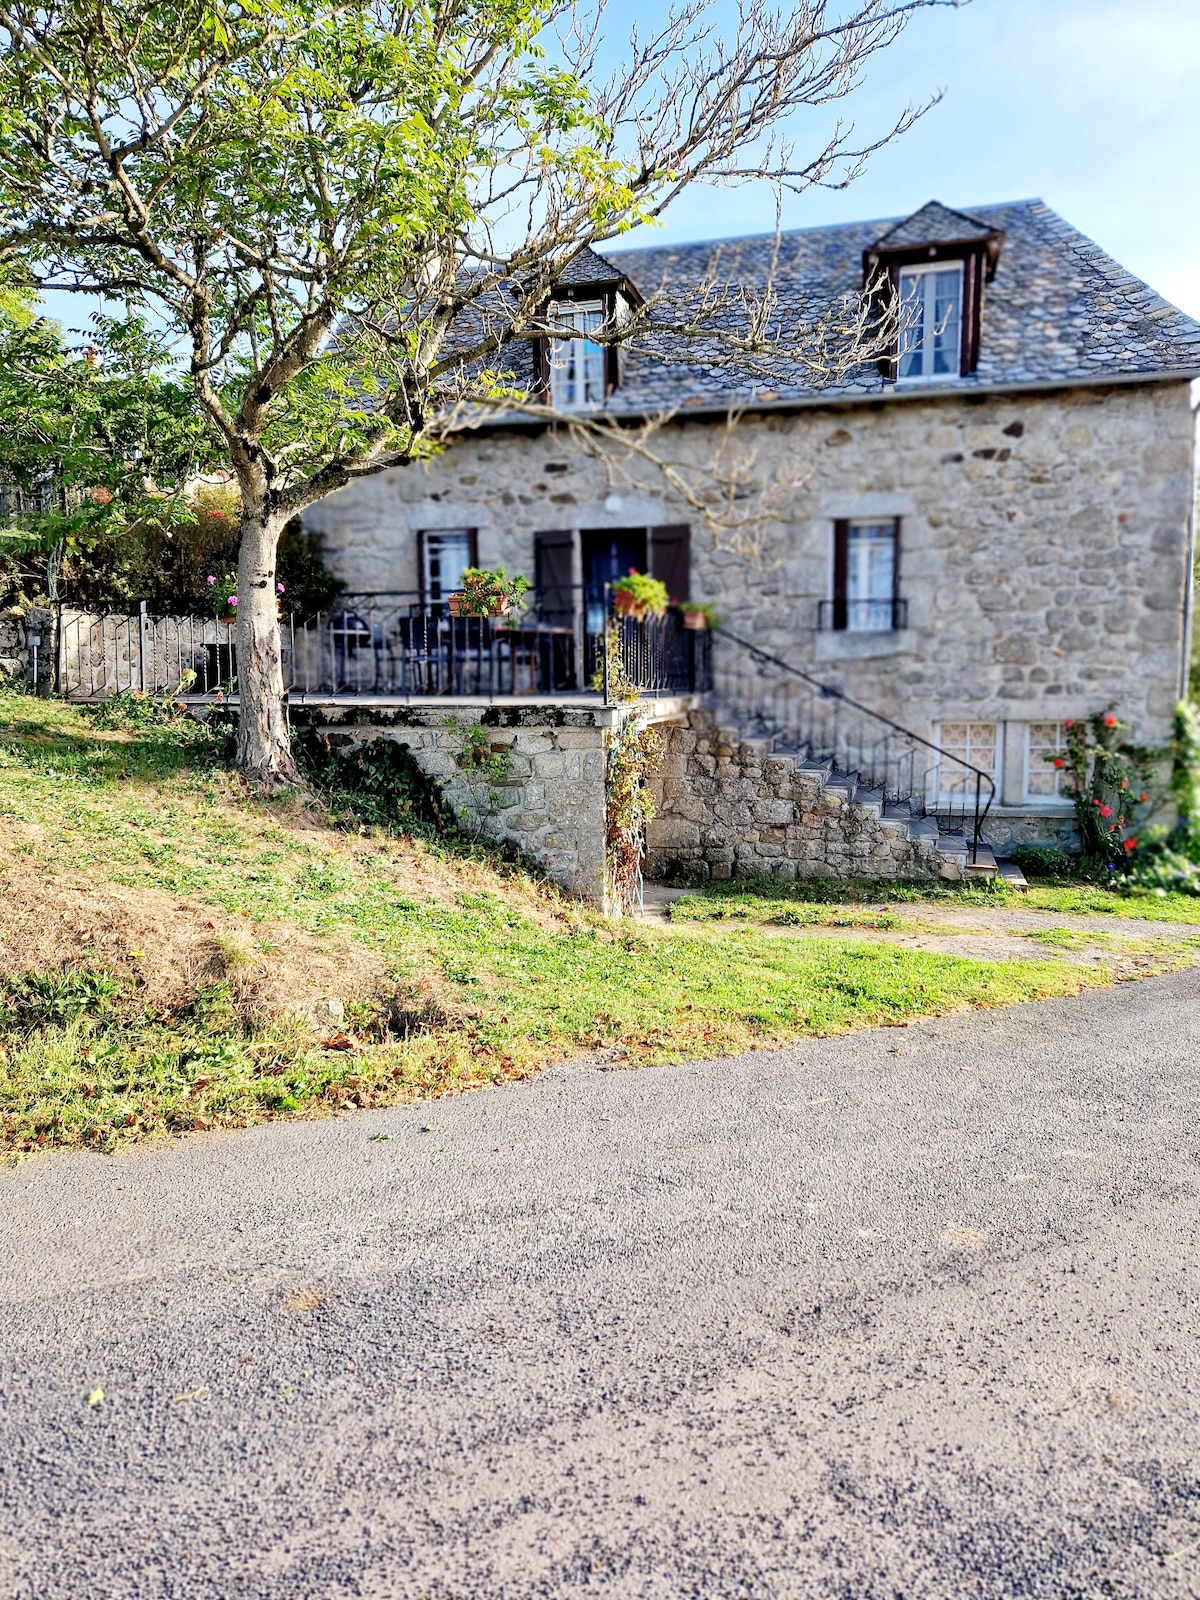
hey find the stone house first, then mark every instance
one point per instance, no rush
(981, 532)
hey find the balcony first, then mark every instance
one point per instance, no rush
(392, 646)
(862, 616)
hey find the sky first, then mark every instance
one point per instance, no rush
(1090, 105)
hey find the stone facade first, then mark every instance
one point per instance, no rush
(729, 806)
(1045, 544)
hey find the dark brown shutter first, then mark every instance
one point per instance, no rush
(554, 572)
(972, 311)
(541, 370)
(889, 305)
(612, 352)
(473, 546)
(841, 571)
(421, 583)
(671, 559)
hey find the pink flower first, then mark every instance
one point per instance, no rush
(279, 589)
(1106, 811)
(233, 599)
(210, 580)
(1069, 723)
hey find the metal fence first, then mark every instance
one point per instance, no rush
(106, 653)
(382, 645)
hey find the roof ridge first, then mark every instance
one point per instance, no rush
(1119, 278)
(820, 227)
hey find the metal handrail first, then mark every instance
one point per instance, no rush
(830, 691)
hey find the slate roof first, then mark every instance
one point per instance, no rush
(1058, 311)
(934, 222)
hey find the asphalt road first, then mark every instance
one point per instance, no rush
(911, 1314)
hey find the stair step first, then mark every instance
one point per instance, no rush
(1011, 873)
(981, 863)
(953, 844)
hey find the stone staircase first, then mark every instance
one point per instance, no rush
(737, 800)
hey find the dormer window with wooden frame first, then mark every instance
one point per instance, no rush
(932, 269)
(579, 365)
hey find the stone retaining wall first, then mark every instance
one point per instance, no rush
(549, 804)
(730, 809)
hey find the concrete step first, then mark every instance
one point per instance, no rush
(981, 863)
(1009, 872)
(871, 800)
(952, 844)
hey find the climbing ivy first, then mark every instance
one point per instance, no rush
(633, 749)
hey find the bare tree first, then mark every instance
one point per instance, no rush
(347, 212)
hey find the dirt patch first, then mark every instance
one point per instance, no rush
(169, 947)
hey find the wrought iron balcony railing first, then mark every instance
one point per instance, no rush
(862, 616)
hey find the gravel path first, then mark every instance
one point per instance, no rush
(908, 1314)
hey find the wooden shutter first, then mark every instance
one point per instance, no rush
(841, 572)
(671, 559)
(422, 583)
(554, 571)
(972, 312)
(612, 352)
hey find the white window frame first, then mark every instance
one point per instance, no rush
(428, 537)
(945, 796)
(929, 333)
(576, 360)
(1057, 799)
(871, 613)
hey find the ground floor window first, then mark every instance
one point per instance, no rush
(1045, 743)
(445, 556)
(966, 745)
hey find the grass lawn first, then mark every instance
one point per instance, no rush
(869, 903)
(170, 946)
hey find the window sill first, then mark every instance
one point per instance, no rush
(846, 645)
(928, 382)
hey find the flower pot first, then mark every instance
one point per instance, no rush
(697, 621)
(628, 605)
(500, 606)
(456, 603)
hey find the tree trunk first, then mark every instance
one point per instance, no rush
(264, 747)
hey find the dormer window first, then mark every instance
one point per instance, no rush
(930, 271)
(930, 332)
(577, 365)
(573, 369)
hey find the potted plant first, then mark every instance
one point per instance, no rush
(224, 597)
(637, 595)
(487, 594)
(699, 616)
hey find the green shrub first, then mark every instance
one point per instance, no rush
(375, 785)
